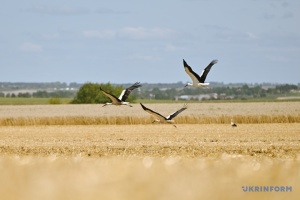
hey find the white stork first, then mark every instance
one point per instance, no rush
(198, 81)
(232, 123)
(123, 96)
(160, 118)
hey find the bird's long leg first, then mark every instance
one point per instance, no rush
(172, 124)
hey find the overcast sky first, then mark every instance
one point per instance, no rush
(121, 41)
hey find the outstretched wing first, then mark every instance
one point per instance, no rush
(155, 114)
(171, 116)
(206, 70)
(113, 98)
(125, 93)
(194, 76)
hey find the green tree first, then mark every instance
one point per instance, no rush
(25, 94)
(40, 94)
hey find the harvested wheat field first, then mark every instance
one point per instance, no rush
(197, 113)
(93, 152)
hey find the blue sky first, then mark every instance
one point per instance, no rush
(118, 41)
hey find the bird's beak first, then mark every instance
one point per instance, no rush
(186, 85)
(104, 105)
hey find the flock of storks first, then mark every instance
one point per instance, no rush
(197, 81)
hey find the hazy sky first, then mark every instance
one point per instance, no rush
(121, 41)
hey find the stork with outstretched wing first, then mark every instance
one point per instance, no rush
(198, 81)
(123, 96)
(161, 118)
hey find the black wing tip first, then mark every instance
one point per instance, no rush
(184, 62)
(215, 61)
(136, 85)
(102, 89)
(142, 105)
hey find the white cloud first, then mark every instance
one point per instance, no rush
(285, 4)
(277, 58)
(110, 11)
(49, 36)
(269, 16)
(140, 33)
(288, 15)
(143, 57)
(172, 47)
(251, 36)
(101, 34)
(57, 10)
(135, 33)
(30, 47)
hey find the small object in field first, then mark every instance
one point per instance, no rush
(163, 119)
(232, 123)
(198, 81)
(123, 96)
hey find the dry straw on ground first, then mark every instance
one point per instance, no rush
(206, 140)
(197, 113)
(133, 120)
(194, 109)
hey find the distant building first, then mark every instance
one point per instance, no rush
(199, 97)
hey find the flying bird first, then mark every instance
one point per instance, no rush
(123, 96)
(232, 123)
(198, 81)
(160, 118)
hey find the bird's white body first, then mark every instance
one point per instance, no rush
(232, 123)
(199, 85)
(118, 104)
(164, 121)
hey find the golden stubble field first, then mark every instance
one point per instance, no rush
(102, 155)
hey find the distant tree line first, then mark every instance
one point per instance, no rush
(241, 92)
(38, 86)
(41, 94)
(90, 93)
